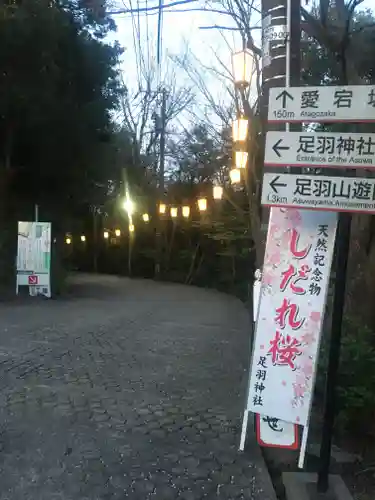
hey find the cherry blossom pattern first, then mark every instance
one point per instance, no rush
(295, 217)
(315, 316)
(274, 259)
(308, 369)
(308, 338)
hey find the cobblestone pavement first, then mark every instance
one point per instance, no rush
(125, 389)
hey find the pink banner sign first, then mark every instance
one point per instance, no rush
(294, 287)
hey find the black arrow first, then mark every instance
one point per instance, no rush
(274, 184)
(284, 95)
(276, 147)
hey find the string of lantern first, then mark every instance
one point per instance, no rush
(243, 68)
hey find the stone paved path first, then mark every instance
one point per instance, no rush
(125, 389)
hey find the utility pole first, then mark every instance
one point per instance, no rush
(280, 67)
(162, 141)
(95, 238)
(161, 125)
(281, 64)
(295, 43)
(281, 55)
(276, 13)
(274, 19)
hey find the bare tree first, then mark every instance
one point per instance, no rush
(141, 112)
(237, 102)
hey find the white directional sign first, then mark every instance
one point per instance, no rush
(338, 194)
(355, 103)
(320, 149)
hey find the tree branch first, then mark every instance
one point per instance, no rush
(217, 27)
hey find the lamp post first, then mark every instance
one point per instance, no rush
(241, 159)
(239, 129)
(129, 207)
(173, 212)
(235, 176)
(243, 68)
(243, 65)
(202, 204)
(186, 211)
(217, 192)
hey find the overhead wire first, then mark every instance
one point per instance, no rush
(159, 35)
(148, 69)
(135, 46)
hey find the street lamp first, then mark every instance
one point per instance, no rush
(243, 68)
(131, 228)
(106, 235)
(239, 130)
(241, 159)
(117, 233)
(202, 204)
(162, 208)
(173, 212)
(128, 206)
(185, 211)
(83, 238)
(235, 176)
(68, 241)
(217, 192)
(145, 218)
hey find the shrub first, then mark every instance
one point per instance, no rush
(356, 384)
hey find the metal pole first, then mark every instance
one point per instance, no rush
(130, 252)
(162, 141)
(295, 43)
(36, 212)
(162, 125)
(130, 239)
(274, 14)
(95, 239)
(342, 248)
(342, 255)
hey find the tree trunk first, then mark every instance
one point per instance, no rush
(8, 238)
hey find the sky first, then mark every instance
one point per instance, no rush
(181, 30)
(181, 33)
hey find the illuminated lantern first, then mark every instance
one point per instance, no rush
(235, 176)
(218, 192)
(202, 204)
(185, 211)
